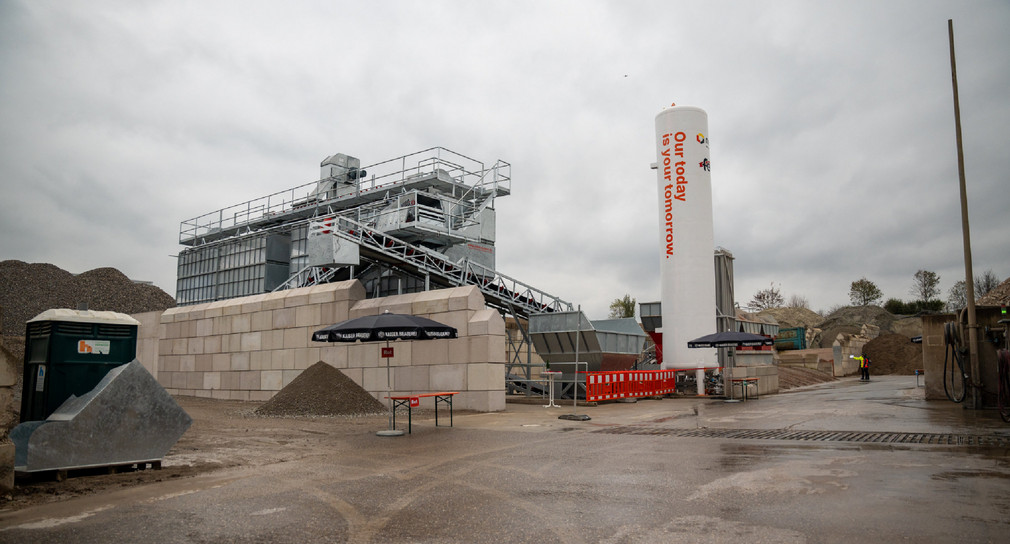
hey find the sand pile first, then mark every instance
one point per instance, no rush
(321, 390)
(893, 354)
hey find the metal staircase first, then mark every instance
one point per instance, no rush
(500, 291)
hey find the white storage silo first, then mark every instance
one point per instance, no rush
(686, 235)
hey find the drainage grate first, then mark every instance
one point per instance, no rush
(935, 439)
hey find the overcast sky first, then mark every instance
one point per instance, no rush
(831, 128)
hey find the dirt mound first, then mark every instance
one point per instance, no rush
(893, 354)
(28, 289)
(321, 390)
(999, 295)
(793, 317)
(850, 319)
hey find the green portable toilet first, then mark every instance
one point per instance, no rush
(67, 352)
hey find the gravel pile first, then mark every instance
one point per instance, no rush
(321, 390)
(850, 319)
(793, 317)
(28, 289)
(999, 295)
(893, 354)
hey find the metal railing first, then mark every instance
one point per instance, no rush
(383, 176)
(500, 290)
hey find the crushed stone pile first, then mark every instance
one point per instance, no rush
(999, 295)
(321, 390)
(28, 289)
(793, 317)
(850, 319)
(893, 354)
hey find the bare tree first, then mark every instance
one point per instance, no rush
(798, 301)
(925, 285)
(766, 298)
(864, 292)
(830, 310)
(985, 283)
(957, 297)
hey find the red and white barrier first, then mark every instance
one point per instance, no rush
(626, 384)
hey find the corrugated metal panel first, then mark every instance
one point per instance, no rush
(554, 337)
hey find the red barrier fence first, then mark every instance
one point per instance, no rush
(626, 384)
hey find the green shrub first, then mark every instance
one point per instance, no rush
(899, 307)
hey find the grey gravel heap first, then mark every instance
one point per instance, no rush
(28, 289)
(321, 390)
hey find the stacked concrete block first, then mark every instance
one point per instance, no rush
(767, 375)
(844, 348)
(249, 348)
(148, 336)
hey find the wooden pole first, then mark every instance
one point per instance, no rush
(969, 280)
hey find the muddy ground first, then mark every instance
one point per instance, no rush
(657, 470)
(223, 434)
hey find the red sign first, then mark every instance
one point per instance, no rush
(387, 352)
(414, 401)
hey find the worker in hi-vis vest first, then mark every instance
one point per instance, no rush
(864, 367)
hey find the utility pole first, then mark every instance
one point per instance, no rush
(969, 280)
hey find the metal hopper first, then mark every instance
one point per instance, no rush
(127, 418)
(608, 344)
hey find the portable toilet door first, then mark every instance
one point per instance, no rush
(67, 352)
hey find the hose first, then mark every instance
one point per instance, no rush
(952, 338)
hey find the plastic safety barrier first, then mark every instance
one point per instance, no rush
(626, 384)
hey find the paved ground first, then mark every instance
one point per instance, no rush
(691, 470)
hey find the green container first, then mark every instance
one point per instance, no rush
(67, 352)
(791, 338)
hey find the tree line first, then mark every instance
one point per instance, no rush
(925, 290)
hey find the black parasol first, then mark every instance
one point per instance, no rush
(384, 327)
(730, 339)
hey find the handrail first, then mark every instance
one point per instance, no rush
(383, 176)
(501, 290)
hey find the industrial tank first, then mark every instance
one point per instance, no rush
(686, 234)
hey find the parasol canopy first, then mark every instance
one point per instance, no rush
(730, 339)
(384, 327)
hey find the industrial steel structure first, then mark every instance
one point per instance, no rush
(413, 223)
(420, 221)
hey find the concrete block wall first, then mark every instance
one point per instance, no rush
(844, 347)
(148, 339)
(767, 375)
(249, 348)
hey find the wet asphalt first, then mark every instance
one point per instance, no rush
(657, 470)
